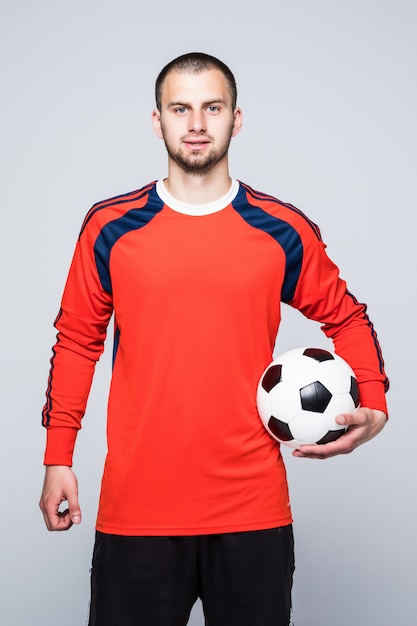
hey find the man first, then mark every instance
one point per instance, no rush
(194, 499)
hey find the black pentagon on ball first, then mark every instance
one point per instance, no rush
(318, 354)
(331, 435)
(354, 391)
(315, 397)
(279, 429)
(272, 377)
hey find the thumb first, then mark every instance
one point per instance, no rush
(74, 509)
(341, 420)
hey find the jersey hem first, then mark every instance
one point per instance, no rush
(189, 531)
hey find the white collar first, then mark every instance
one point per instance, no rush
(196, 209)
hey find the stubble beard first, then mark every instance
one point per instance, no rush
(195, 163)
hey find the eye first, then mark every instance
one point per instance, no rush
(180, 110)
(213, 108)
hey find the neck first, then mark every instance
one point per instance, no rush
(193, 189)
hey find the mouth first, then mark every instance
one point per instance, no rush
(196, 145)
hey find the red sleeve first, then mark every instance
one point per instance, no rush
(82, 323)
(322, 296)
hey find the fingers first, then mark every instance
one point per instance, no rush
(56, 520)
(59, 520)
(343, 445)
(361, 426)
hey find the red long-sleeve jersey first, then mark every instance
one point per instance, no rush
(196, 297)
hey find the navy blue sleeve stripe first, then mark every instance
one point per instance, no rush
(112, 231)
(46, 417)
(376, 342)
(283, 233)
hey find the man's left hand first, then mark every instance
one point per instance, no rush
(362, 426)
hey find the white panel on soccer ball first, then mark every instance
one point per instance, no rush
(340, 403)
(300, 371)
(344, 364)
(308, 427)
(262, 401)
(334, 376)
(284, 401)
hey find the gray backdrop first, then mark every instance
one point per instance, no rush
(328, 90)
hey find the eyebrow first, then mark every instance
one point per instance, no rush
(203, 104)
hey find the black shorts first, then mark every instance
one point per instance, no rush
(243, 579)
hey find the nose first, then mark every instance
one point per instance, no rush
(197, 123)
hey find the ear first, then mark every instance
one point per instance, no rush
(237, 121)
(156, 123)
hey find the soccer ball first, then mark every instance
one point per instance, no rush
(301, 393)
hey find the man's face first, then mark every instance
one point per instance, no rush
(196, 120)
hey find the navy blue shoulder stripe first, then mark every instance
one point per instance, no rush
(116, 341)
(258, 195)
(138, 194)
(283, 233)
(112, 231)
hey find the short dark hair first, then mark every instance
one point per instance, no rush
(195, 62)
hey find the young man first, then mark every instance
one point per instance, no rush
(194, 499)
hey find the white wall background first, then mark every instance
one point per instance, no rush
(328, 89)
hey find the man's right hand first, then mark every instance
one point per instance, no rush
(60, 485)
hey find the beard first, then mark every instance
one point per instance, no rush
(196, 163)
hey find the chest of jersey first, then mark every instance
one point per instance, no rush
(180, 260)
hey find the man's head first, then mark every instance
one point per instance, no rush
(195, 62)
(196, 113)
